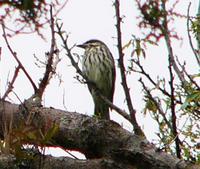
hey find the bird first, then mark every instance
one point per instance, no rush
(98, 66)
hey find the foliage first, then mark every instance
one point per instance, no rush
(25, 141)
(195, 26)
(28, 15)
(153, 18)
(175, 107)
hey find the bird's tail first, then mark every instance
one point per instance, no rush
(101, 109)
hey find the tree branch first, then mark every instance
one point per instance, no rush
(50, 162)
(51, 65)
(95, 138)
(166, 33)
(173, 111)
(132, 111)
(16, 58)
(10, 85)
(197, 56)
(143, 72)
(198, 39)
(160, 110)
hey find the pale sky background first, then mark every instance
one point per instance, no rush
(86, 20)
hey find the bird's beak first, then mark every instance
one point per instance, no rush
(81, 46)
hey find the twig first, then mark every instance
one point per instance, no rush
(68, 50)
(72, 155)
(10, 85)
(0, 53)
(173, 110)
(132, 111)
(187, 74)
(117, 109)
(161, 112)
(143, 72)
(189, 36)
(198, 38)
(16, 58)
(49, 66)
(165, 32)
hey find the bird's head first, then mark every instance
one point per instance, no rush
(91, 44)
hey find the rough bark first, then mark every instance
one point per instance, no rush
(105, 143)
(49, 162)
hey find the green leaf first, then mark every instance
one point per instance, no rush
(31, 135)
(150, 105)
(50, 133)
(193, 97)
(127, 44)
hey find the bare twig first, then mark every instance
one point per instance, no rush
(143, 72)
(132, 111)
(16, 58)
(0, 53)
(49, 66)
(117, 109)
(166, 33)
(68, 50)
(198, 38)
(189, 36)
(173, 110)
(10, 85)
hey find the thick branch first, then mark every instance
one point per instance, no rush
(95, 138)
(49, 162)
